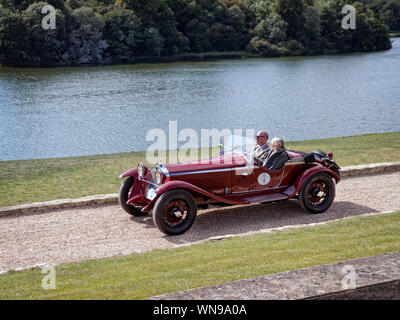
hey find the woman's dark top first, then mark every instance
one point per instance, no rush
(275, 159)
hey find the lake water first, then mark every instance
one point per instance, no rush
(61, 112)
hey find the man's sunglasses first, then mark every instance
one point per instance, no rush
(259, 137)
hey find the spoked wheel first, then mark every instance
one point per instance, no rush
(317, 193)
(175, 212)
(123, 195)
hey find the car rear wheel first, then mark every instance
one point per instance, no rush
(174, 212)
(317, 193)
(123, 195)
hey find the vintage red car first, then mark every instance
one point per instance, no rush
(173, 192)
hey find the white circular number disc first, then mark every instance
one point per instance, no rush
(264, 178)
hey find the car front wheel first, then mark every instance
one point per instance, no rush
(174, 212)
(317, 193)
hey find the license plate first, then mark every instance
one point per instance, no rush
(151, 194)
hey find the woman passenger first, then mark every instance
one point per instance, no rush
(277, 156)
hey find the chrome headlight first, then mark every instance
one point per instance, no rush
(158, 177)
(141, 169)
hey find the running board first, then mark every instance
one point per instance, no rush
(265, 198)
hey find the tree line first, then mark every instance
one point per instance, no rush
(120, 31)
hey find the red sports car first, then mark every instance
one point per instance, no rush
(173, 192)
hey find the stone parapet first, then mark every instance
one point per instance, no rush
(374, 277)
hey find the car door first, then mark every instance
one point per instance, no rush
(263, 179)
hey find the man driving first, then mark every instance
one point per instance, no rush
(262, 149)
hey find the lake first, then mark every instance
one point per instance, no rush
(60, 112)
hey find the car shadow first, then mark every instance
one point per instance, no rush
(146, 220)
(242, 219)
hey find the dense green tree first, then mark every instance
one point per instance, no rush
(153, 42)
(390, 14)
(312, 39)
(265, 48)
(26, 43)
(14, 47)
(121, 30)
(87, 45)
(180, 8)
(273, 29)
(73, 4)
(330, 17)
(174, 42)
(222, 37)
(380, 33)
(293, 12)
(106, 31)
(260, 9)
(236, 19)
(145, 9)
(46, 46)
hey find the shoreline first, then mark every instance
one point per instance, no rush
(195, 57)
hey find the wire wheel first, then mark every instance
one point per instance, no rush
(175, 211)
(317, 193)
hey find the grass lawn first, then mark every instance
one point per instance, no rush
(26, 181)
(142, 275)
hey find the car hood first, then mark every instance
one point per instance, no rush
(233, 160)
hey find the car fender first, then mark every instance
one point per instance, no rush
(308, 173)
(171, 185)
(129, 173)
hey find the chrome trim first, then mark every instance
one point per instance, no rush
(149, 182)
(203, 171)
(164, 170)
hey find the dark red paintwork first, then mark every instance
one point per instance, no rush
(227, 179)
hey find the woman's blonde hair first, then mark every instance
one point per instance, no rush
(278, 142)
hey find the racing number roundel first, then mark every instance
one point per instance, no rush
(264, 178)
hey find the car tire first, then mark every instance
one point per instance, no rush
(310, 197)
(174, 212)
(123, 198)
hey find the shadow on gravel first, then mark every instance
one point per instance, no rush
(146, 220)
(241, 219)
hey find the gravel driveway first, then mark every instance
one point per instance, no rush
(85, 233)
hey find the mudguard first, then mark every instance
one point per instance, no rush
(129, 173)
(171, 185)
(308, 173)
